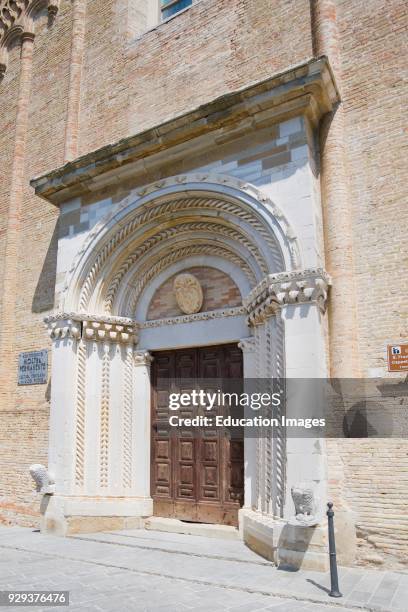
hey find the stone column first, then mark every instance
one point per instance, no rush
(100, 426)
(248, 347)
(305, 360)
(141, 412)
(286, 311)
(64, 454)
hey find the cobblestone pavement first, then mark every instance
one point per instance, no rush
(139, 570)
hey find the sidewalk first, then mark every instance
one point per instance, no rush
(148, 570)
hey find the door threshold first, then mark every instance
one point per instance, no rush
(171, 525)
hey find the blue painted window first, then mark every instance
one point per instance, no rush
(171, 7)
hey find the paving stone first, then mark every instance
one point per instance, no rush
(109, 577)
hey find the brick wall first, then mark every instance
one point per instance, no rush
(130, 84)
(215, 47)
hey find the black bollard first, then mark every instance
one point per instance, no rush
(334, 579)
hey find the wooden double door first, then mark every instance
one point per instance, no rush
(197, 473)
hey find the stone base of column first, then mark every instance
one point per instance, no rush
(295, 547)
(63, 515)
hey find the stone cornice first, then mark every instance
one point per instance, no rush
(277, 290)
(93, 328)
(63, 327)
(307, 89)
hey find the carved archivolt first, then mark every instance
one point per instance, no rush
(221, 204)
(176, 231)
(168, 210)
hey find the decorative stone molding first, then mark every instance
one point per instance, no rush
(188, 292)
(16, 20)
(193, 205)
(168, 234)
(228, 181)
(92, 327)
(63, 327)
(104, 419)
(128, 418)
(277, 290)
(80, 415)
(109, 332)
(247, 345)
(143, 358)
(306, 88)
(236, 203)
(82, 316)
(199, 316)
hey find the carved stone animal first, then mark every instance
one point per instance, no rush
(305, 504)
(42, 478)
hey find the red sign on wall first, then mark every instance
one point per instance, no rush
(397, 357)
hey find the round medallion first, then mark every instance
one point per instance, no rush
(188, 292)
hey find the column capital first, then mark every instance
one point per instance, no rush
(114, 330)
(60, 327)
(247, 345)
(143, 358)
(278, 290)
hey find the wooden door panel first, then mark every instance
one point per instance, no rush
(197, 475)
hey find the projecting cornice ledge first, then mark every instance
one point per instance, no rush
(278, 290)
(307, 89)
(120, 330)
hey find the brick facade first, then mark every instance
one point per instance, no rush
(90, 77)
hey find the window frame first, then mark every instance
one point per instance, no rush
(170, 3)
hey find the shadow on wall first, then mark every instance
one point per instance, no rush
(43, 299)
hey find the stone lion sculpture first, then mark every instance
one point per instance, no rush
(44, 482)
(305, 505)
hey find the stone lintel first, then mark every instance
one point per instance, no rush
(307, 89)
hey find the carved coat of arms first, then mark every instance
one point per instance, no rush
(188, 292)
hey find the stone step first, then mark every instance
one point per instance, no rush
(177, 544)
(170, 525)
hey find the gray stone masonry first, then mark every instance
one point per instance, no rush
(149, 570)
